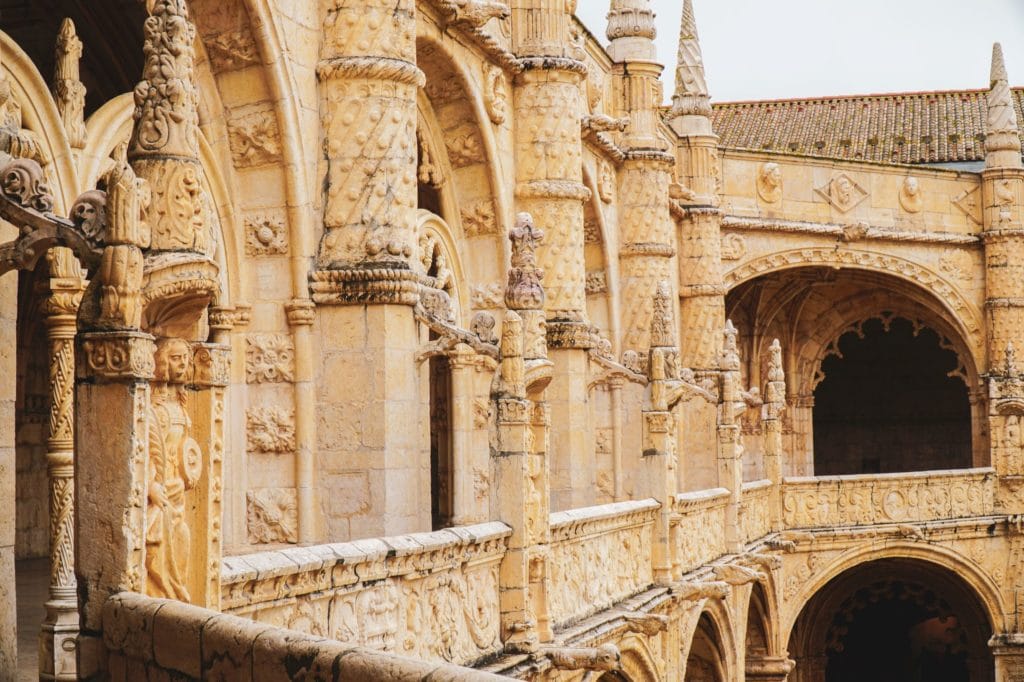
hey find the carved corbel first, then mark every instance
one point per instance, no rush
(602, 123)
(737, 574)
(602, 658)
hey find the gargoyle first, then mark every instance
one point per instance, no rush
(697, 590)
(737, 574)
(602, 658)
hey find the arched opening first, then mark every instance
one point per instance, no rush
(706, 660)
(881, 376)
(890, 401)
(893, 620)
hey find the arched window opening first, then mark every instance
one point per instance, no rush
(890, 401)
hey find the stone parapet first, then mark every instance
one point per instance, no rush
(599, 555)
(150, 638)
(887, 498)
(360, 593)
(696, 531)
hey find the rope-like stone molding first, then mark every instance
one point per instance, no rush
(836, 230)
(371, 68)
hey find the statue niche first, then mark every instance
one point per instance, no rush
(175, 465)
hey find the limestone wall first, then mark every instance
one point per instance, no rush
(155, 638)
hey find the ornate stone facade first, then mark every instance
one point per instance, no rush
(428, 337)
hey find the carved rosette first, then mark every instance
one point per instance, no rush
(370, 213)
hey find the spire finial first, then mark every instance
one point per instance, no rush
(691, 95)
(1002, 135)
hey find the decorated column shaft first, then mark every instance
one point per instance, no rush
(700, 263)
(366, 281)
(1002, 194)
(60, 627)
(520, 465)
(68, 90)
(549, 185)
(647, 239)
(730, 446)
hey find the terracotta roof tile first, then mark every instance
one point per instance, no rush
(912, 127)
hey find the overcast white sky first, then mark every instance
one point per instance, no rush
(769, 49)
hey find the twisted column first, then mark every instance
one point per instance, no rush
(60, 627)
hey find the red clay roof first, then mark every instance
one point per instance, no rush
(911, 127)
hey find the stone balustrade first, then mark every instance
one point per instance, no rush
(599, 556)
(810, 502)
(697, 528)
(430, 596)
(755, 513)
(149, 638)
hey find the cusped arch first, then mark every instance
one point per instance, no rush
(39, 114)
(436, 239)
(981, 585)
(965, 315)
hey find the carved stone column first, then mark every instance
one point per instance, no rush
(774, 406)
(471, 476)
(60, 627)
(730, 447)
(1008, 650)
(366, 282)
(549, 185)
(520, 465)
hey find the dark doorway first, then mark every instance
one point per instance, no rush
(893, 620)
(888, 404)
(441, 469)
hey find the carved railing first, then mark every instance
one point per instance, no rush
(599, 555)
(430, 596)
(161, 639)
(698, 524)
(887, 498)
(755, 514)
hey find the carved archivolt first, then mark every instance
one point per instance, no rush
(964, 314)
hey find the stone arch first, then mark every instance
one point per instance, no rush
(810, 308)
(899, 594)
(975, 577)
(39, 115)
(458, 124)
(711, 645)
(638, 662)
(966, 317)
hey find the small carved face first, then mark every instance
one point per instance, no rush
(844, 189)
(771, 175)
(173, 361)
(911, 187)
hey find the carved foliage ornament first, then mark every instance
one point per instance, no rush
(271, 515)
(269, 358)
(265, 235)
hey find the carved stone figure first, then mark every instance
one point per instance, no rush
(602, 658)
(175, 465)
(769, 182)
(910, 195)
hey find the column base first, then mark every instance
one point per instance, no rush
(769, 668)
(58, 641)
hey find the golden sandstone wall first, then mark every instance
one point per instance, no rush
(426, 330)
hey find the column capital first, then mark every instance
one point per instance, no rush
(117, 356)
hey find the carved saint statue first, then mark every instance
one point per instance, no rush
(175, 464)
